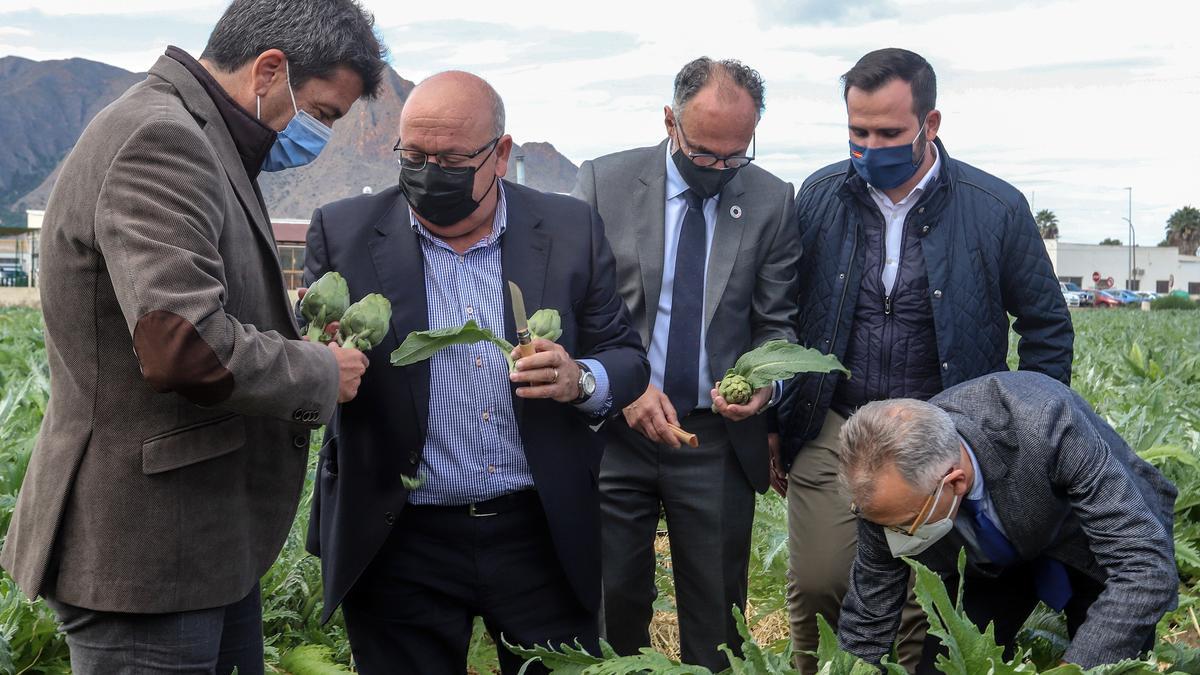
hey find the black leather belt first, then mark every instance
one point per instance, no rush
(513, 501)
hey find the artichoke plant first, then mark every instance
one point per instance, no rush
(771, 361)
(324, 302)
(365, 323)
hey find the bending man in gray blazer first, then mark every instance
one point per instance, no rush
(706, 250)
(1050, 503)
(173, 451)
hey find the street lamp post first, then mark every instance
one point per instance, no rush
(1132, 242)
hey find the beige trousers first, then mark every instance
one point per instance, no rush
(822, 537)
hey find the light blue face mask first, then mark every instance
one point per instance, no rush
(300, 142)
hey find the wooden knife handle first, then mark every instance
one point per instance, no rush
(685, 437)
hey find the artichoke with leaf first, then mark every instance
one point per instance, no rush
(773, 360)
(545, 324)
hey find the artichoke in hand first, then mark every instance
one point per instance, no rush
(545, 324)
(365, 323)
(324, 302)
(735, 389)
(771, 361)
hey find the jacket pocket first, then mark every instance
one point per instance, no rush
(192, 444)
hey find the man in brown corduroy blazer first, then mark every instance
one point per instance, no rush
(173, 450)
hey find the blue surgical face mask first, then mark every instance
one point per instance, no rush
(300, 142)
(887, 168)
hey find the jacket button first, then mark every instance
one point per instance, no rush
(413, 458)
(808, 404)
(945, 365)
(300, 441)
(937, 293)
(298, 414)
(925, 230)
(921, 210)
(827, 343)
(389, 518)
(841, 275)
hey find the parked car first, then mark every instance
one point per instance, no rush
(1147, 295)
(13, 276)
(1072, 298)
(1125, 296)
(1086, 298)
(1107, 299)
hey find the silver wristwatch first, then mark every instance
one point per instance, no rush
(587, 383)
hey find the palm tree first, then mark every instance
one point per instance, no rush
(1183, 230)
(1047, 223)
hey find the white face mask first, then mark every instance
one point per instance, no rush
(927, 534)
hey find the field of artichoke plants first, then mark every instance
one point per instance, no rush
(1140, 369)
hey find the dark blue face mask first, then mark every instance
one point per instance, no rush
(890, 167)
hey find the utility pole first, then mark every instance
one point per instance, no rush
(1132, 242)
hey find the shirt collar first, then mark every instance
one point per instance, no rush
(977, 487)
(920, 187)
(676, 185)
(499, 223)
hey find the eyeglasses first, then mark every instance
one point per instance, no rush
(922, 515)
(451, 162)
(708, 159)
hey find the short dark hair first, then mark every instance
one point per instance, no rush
(318, 36)
(881, 66)
(692, 78)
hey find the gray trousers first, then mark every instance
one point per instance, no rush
(200, 642)
(709, 509)
(822, 540)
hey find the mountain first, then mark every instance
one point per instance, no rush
(47, 104)
(37, 138)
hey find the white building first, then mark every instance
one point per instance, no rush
(1156, 268)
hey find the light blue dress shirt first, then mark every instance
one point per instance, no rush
(965, 525)
(473, 450)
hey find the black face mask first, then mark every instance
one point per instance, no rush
(444, 199)
(704, 180)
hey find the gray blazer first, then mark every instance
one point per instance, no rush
(1064, 485)
(173, 450)
(750, 294)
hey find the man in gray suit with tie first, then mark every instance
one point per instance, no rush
(1049, 502)
(706, 250)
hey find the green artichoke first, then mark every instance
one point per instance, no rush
(325, 302)
(365, 323)
(735, 389)
(545, 324)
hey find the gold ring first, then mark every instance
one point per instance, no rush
(555, 376)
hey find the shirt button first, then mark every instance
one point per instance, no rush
(491, 468)
(937, 293)
(470, 310)
(478, 362)
(486, 416)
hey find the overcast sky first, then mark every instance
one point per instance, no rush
(1069, 101)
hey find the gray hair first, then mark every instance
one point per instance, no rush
(318, 36)
(916, 437)
(497, 110)
(692, 78)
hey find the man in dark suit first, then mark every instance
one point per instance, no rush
(506, 523)
(1050, 503)
(707, 254)
(173, 450)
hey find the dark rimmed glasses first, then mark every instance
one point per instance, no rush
(451, 162)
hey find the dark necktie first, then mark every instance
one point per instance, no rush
(1049, 575)
(682, 370)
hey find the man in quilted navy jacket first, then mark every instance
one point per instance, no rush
(913, 262)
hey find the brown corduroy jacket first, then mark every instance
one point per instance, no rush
(173, 450)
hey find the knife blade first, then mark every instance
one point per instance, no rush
(521, 320)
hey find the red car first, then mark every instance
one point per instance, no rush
(1105, 299)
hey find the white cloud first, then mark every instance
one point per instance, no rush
(1069, 100)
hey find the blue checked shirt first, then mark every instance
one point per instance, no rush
(473, 450)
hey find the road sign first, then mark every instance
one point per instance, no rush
(1095, 277)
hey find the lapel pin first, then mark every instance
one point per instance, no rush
(735, 211)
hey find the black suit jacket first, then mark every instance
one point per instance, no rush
(554, 249)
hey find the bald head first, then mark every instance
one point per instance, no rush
(460, 104)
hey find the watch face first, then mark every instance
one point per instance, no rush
(589, 383)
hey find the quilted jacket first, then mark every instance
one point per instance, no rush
(984, 260)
